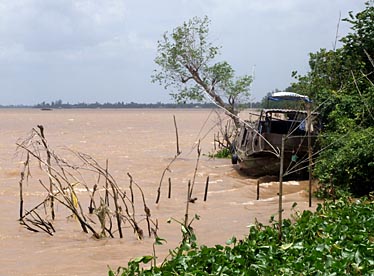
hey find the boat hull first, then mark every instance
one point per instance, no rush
(258, 145)
(260, 166)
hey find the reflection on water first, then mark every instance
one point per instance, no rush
(141, 142)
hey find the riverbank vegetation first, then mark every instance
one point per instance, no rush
(341, 81)
(338, 238)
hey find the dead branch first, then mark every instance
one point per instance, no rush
(147, 211)
(44, 141)
(63, 177)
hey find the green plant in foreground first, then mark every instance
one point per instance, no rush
(337, 239)
(221, 153)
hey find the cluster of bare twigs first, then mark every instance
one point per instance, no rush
(111, 206)
(225, 135)
(109, 202)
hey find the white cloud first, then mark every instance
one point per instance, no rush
(60, 25)
(79, 49)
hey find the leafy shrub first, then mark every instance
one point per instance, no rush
(349, 163)
(337, 239)
(221, 153)
(341, 84)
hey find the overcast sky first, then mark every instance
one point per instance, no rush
(95, 50)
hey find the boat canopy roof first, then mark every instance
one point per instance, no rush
(277, 110)
(290, 96)
(285, 111)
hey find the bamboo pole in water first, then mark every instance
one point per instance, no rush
(187, 204)
(21, 196)
(206, 188)
(106, 184)
(195, 172)
(176, 135)
(25, 166)
(309, 151)
(171, 162)
(280, 209)
(169, 193)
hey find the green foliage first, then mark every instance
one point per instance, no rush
(341, 82)
(186, 66)
(359, 44)
(337, 239)
(221, 153)
(344, 70)
(349, 162)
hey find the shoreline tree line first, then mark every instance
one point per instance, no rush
(58, 104)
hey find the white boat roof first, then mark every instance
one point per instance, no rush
(278, 110)
(288, 96)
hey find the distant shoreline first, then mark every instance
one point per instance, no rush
(119, 105)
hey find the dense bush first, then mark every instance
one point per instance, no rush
(341, 83)
(349, 162)
(337, 239)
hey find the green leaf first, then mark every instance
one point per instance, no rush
(143, 259)
(184, 229)
(159, 241)
(231, 241)
(358, 257)
(286, 246)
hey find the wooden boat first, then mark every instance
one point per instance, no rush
(257, 147)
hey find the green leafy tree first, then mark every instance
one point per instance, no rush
(359, 44)
(186, 66)
(341, 81)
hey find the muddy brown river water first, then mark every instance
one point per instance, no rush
(141, 142)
